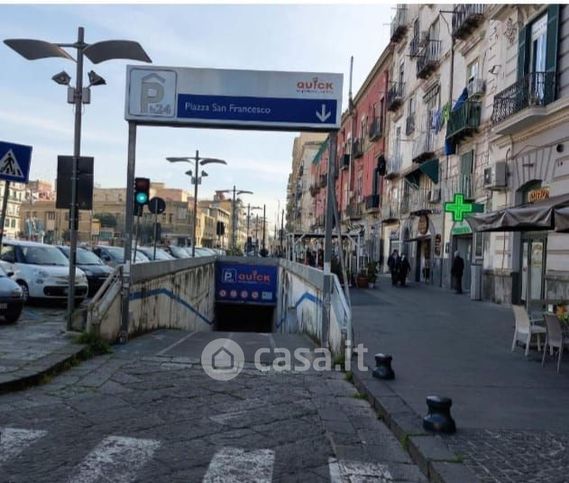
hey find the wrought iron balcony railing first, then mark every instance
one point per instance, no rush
(395, 95)
(390, 211)
(465, 18)
(399, 24)
(424, 145)
(428, 58)
(464, 121)
(372, 202)
(354, 210)
(470, 185)
(375, 129)
(358, 149)
(414, 46)
(535, 89)
(416, 201)
(393, 166)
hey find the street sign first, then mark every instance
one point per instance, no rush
(85, 168)
(234, 98)
(15, 160)
(459, 207)
(157, 205)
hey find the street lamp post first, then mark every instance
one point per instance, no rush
(249, 209)
(233, 218)
(98, 52)
(196, 179)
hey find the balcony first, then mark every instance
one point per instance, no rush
(414, 46)
(323, 180)
(466, 18)
(471, 186)
(354, 210)
(399, 24)
(393, 166)
(410, 124)
(375, 129)
(528, 96)
(358, 149)
(417, 201)
(423, 147)
(428, 58)
(395, 96)
(390, 211)
(464, 121)
(372, 203)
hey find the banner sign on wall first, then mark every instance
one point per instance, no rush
(240, 283)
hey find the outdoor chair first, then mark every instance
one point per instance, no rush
(554, 338)
(525, 328)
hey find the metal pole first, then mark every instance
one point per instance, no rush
(195, 205)
(128, 230)
(137, 235)
(328, 240)
(257, 235)
(233, 223)
(78, 97)
(248, 216)
(282, 231)
(155, 232)
(264, 225)
(4, 207)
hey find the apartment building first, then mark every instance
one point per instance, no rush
(16, 196)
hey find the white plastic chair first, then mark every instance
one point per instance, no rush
(525, 328)
(554, 338)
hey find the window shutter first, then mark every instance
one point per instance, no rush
(551, 53)
(466, 163)
(522, 52)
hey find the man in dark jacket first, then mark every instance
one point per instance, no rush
(456, 271)
(404, 269)
(392, 264)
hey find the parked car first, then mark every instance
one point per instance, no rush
(114, 256)
(11, 298)
(179, 252)
(160, 254)
(92, 266)
(206, 252)
(42, 271)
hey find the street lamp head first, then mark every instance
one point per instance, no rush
(204, 173)
(31, 49)
(62, 78)
(244, 192)
(95, 79)
(176, 159)
(189, 172)
(211, 161)
(115, 49)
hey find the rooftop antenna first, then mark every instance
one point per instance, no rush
(350, 101)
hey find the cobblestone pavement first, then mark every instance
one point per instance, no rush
(513, 456)
(136, 415)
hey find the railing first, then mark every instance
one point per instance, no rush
(414, 46)
(372, 202)
(535, 89)
(103, 300)
(390, 210)
(395, 95)
(342, 314)
(354, 210)
(410, 124)
(423, 147)
(358, 148)
(464, 120)
(375, 129)
(418, 200)
(428, 58)
(393, 165)
(399, 24)
(470, 185)
(465, 18)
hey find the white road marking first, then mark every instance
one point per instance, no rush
(357, 472)
(14, 441)
(234, 465)
(170, 347)
(115, 459)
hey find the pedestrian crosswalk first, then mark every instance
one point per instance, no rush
(121, 459)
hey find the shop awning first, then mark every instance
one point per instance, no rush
(562, 219)
(431, 169)
(529, 217)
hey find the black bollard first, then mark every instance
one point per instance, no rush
(383, 368)
(439, 419)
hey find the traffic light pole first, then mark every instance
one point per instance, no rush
(4, 208)
(155, 232)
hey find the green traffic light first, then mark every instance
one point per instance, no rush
(141, 198)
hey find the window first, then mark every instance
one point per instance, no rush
(13, 223)
(8, 254)
(380, 114)
(472, 71)
(7, 223)
(401, 73)
(412, 105)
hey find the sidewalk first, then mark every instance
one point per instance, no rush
(512, 415)
(35, 347)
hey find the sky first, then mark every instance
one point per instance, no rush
(312, 38)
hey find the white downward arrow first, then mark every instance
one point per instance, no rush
(323, 115)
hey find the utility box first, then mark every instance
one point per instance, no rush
(476, 282)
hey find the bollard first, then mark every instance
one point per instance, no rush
(383, 368)
(439, 419)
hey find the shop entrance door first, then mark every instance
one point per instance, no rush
(464, 245)
(534, 251)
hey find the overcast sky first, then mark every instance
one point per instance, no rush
(316, 38)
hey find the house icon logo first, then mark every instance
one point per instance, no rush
(222, 359)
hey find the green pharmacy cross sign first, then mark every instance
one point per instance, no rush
(459, 207)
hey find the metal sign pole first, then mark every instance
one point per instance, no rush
(123, 336)
(3, 215)
(136, 235)
(328, 240)
(155, 232)
(196, 180)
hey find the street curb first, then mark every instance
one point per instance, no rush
(427, 450)
(50, 365)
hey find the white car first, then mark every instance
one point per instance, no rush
(41, 270)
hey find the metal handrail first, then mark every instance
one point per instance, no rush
(463, 12)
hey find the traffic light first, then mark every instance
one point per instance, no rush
(141, 194)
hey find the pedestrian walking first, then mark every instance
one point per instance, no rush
(456, 271)
(404, 269)
(393, 263)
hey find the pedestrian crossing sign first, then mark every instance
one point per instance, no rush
(15, 160)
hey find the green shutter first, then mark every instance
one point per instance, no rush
(551, 52)
(522, 52)
(466, 163)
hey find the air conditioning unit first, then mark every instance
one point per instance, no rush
(495, 177)
(476, 87)
(434, 195)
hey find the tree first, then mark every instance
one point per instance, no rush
(108, 220)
